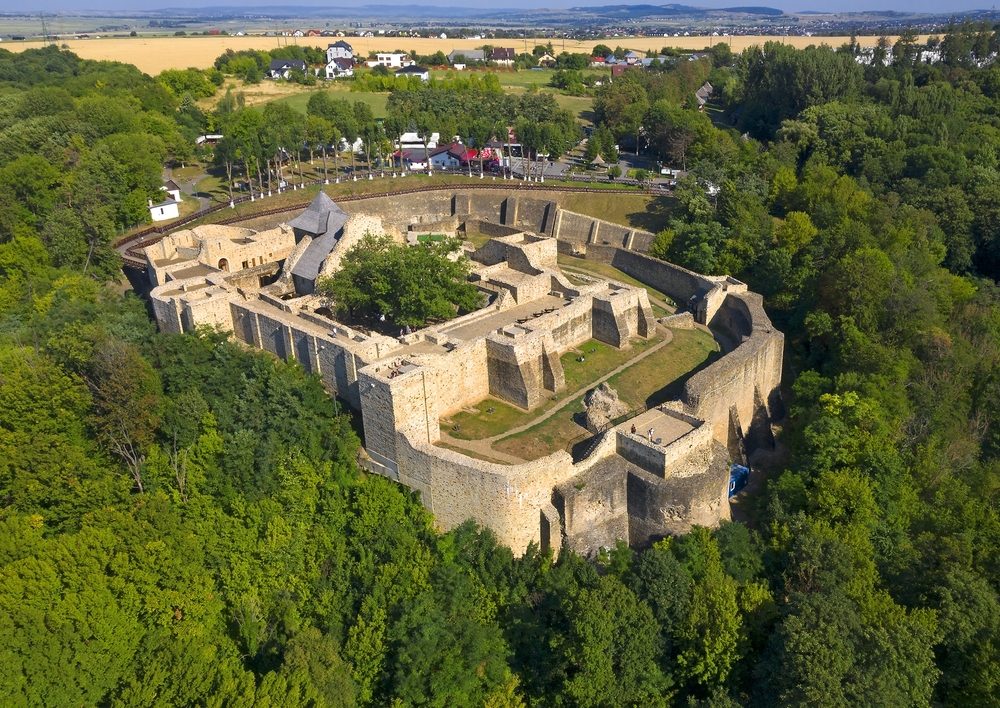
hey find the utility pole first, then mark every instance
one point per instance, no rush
(45, 31)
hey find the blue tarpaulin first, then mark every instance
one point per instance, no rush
(738, 478)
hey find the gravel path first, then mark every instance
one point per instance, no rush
(484, 446)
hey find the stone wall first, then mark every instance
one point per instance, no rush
(224, 248)
(335, 358)
(664, 460)
(659, 507)
(210, 309)
(518, 369)
(509, 499)
(746, 378)
(622, 315)
(489, 228)
(593, 507)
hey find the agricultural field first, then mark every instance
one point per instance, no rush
(154, 54)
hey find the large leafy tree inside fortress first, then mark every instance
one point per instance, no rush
(380, 280)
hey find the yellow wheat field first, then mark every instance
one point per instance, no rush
(154, 54)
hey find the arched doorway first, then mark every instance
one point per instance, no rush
(224, 264)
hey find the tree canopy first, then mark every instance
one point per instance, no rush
(408, 286)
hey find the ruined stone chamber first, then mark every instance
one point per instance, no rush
(654, 473)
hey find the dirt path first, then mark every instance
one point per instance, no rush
(484, 446)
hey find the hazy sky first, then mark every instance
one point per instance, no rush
(935, 6)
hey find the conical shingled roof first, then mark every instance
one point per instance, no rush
(315, 220)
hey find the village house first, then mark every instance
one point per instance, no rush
(462, 153)
(391, 60)
(466, 56)
(283, 68)
(421, 72)
(649, 61)
(413, 141)
(546, 60)
(414, 159)
(502, 56)
(450, 157)
(339, 68)
(703, 94)
(169, 208)
(172, 189)
(339, 50)
(357, 147)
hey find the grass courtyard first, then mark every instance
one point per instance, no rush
(492, 416)
(649, 381)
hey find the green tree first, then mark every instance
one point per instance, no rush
(127, 403)
(409, 286)
(611, 650)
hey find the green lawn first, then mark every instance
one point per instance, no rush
(641, 210)
(182, 174)
(546, 437)
(651, 381)
(212, 186)
(477, 239)
(582, 107)
(487, 418)
(376, 101)
(492, 416)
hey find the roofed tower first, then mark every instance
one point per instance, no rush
(322, 222)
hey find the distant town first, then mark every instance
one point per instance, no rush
(584, 23)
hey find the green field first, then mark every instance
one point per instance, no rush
(641, 210)
(376, 101)
(515, 82)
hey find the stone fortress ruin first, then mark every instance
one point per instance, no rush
(642, 472)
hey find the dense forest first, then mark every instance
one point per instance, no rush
(184, 521)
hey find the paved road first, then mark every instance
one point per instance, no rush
(188, 187)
